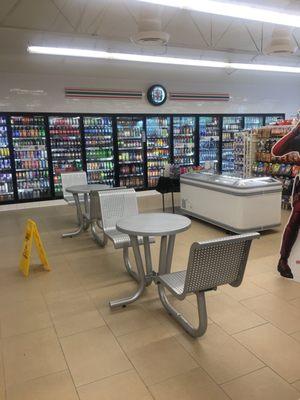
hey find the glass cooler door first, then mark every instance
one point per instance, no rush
(158, 147)
(253, 121)
(6, 182)
(271, 119)
(98, 133)
(209, 142)
(184, 140)
(231, 125)
(130, 151)
(65, 143)
(31, 158)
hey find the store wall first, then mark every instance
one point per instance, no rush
(45, 93)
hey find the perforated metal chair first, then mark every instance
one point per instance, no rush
(211, 264)
(115, 205)
(70, 179)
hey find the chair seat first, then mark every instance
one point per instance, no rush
(121, 240)
(70, 199)
(174, 282)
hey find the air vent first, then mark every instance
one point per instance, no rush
(150, 31)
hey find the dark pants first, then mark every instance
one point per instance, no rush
(290, 233)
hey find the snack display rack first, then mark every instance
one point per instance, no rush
(282, 168)
(243, 151)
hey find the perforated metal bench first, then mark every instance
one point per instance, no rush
(115, 205)
(211, 264)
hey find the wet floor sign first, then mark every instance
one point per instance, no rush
(31, 234)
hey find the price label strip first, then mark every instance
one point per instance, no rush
(31, 234)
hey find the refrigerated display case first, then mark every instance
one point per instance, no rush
(158, 147)
(6, 181)
(65, 142)
(209, 142)
(130, 131)
(235, 204)
(253, 121)
(99, 149)
(271, 119)
(231, 125)
(184, 128)
(31, 157)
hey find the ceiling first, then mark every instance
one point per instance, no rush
(109, 24)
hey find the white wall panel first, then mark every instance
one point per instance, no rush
(45, 93)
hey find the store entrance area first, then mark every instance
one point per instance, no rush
(60, 339)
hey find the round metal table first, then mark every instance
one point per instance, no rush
(153, 224)
(84, 218)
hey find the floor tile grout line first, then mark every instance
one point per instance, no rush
(104, 378)
(2, 363)
(258, 357)
(60, 345)
(127, 357)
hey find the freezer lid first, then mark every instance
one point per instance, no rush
(232, 181)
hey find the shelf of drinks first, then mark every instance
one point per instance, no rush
(130, 148)
(129, 137)
(129, 175)
(131, 162)
(210, 137)
(157, 147)
(157, 158)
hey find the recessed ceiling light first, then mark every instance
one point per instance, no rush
(69, 52)
(233, 10)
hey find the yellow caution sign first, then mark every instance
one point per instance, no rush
(32, 233)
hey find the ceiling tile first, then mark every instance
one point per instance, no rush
(183, 31)
(117, 22)
(32, 14)
(6, 7)
(236, 38)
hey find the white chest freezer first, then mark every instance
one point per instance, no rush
(236, 204)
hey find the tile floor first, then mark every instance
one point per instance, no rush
(59, 339)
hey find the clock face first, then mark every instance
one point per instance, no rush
(157, 95)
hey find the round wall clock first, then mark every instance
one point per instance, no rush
(157, 95)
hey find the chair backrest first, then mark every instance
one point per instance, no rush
(218, 262)
(115, 205)
(70, 179)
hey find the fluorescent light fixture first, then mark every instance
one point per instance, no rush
(234, 10)
(190, 62)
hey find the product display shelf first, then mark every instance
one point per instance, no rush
(209, 142)
(243, 150)
(130, 151)
(231, 125)
(65, 141)
(282, 168)
(252, 122)
(184, 140)
(6, 181)
(158, 147)
(31, 158)
(99, 147)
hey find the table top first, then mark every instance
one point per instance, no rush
(87, 188)
(154, 224)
